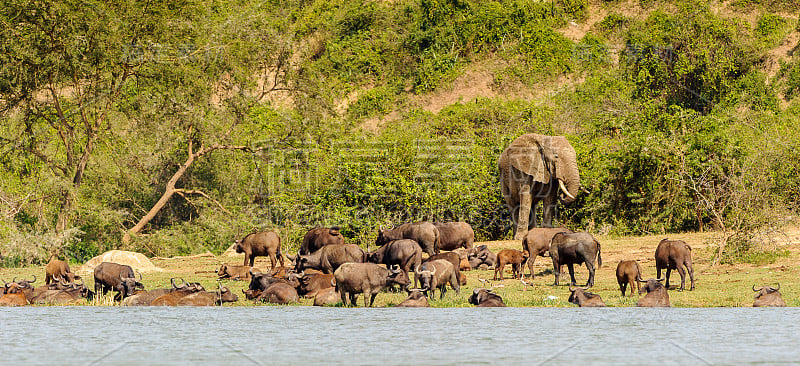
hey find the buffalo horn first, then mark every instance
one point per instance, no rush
(779, 286)
(122, 278)
(14, 279)
(564, 189)
(754, 289)
(172, 281)
(571, 289)
(140, 275)
(243, 291)
(434, 270)
(660, 279)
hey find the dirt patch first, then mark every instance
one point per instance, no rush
(137, 261)
(476, 82)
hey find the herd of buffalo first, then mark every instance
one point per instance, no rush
(330, 271)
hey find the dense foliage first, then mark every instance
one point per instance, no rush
(313, 113)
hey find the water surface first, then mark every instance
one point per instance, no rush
(269, 335)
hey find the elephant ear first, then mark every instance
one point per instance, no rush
(526, 155)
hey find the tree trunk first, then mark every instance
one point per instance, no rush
(169, 190)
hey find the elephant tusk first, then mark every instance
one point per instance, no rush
(564, 189)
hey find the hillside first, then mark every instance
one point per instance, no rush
(177, 128)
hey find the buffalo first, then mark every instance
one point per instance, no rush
(628, 272)
(416, 299)
(118, 277)
(484, 298)
(311, 284)
(260, 244)
(437, 274)
(174, 297)
(585, 299)
(66, 293)
(405, 253)
(57, 269)
(574, 248)
(17, 293)
(482, 255)
(236, 273)
(145, 298)
(328, 296)
(424, 233)
(366, 278)
(453, 258)
(675, 254)
(318, 237)
(768, 296)
(330, 257)
(279, 293)
(205, 298)
(454, 235)
(537, 243)
(657, 295)
(513, 257)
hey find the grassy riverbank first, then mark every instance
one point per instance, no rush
(721, 285)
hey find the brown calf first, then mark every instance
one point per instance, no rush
(513, 257)
(628, 273)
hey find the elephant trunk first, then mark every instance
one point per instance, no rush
(568, 174)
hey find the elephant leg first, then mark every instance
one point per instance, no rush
(691, 275)
(549, 207)
(525, 202)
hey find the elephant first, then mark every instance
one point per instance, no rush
(537, 168)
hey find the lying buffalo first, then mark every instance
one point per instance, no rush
(319, 237)
(628, 272)
(675, 254)
(537, 243)
(575, 248)
(585, 299)
(145, 298)
(17, 293)
(405, 253)
(174, 297)
(366, 278)
(423, 232)
(206, 298)
(260, 244)
(330, 257)
(236, 273)
(328, 296)
(58, 269)
(117, 277)
(768, 296)
(416, 299)
(482, 255)
(64, 294)
(657, 295)
(437, 274)
(484, 298)
(279, 293)
(454, 235)
(513, 257)
(311, 284)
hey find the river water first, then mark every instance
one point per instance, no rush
(270, 335)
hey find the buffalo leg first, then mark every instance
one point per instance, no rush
(571, 268)
(622, 286)
(691, 275)
(531, 259)
(556, 271)
(638, 286)
(442, 290)
(353, 299)
(590, 267)
(682, 273)
(666, 284)
(272, 261)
